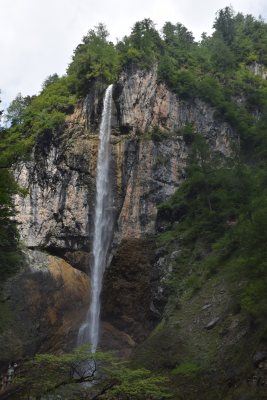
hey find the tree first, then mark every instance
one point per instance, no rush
(224, 23)
(16, 109)
(221, 54)
(144, 36)
(1, 111)
(10, 257)
(143, 46)
(177, 35)
(50, 80)
(101, 31)
(51, 374)
(95, 58)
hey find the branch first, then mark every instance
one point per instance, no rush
(81, 379)
(103, 391)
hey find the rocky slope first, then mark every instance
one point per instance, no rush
(149, 155)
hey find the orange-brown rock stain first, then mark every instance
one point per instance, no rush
(73, 282)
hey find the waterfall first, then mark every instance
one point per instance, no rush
(103, 226)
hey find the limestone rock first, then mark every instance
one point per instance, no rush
(143, 103)
(258, 69)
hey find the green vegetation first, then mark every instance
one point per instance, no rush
(218, 218)
(61, 375)
(95, 59)
(9, 254)
(186, 369)
(143, 47)
(214, 69)
(10, 257)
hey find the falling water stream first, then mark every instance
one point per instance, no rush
(89, 330)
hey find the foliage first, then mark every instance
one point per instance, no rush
(32, 117)
(216, 70)
(112, 379)
(10, 257)
(218, 217)
(142, 47)
(1, 111)
(16, 109)
(186, 369)
(224, 23)
(138, 384)
(50, 80)
(95, 58)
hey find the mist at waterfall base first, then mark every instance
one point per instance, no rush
(103, 228)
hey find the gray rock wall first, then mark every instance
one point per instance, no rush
(57, 212)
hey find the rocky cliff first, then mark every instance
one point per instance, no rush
(149, 155)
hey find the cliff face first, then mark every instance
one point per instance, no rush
(145, 170)
(149, 156)
(143, 104)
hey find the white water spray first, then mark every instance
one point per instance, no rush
(103, 226)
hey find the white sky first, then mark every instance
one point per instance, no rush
(37, 37)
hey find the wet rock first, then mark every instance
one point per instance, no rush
(127, 291)
(115, 340)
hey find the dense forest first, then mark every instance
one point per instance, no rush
(217, 218)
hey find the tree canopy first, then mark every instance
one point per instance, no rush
(62, 375)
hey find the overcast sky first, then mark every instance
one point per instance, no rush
(37, 37)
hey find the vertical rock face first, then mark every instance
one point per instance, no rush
(143, 103)
(156, 171)
(59, 180)
(258, 69)
(149, 156)
(154, 165)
